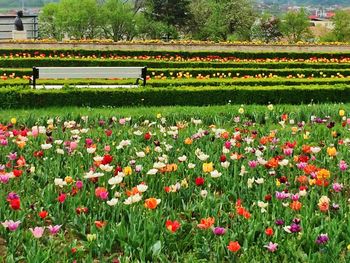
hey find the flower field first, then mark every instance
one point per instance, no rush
(220, 184)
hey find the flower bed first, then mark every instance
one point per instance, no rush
(249, 184)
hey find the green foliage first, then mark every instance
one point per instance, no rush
(26, 98)
(268, 29)
(49, 26)
(119, 20)
(116, 19)
(295, 26)
(171, 12)
(341, 29)
(217, 20)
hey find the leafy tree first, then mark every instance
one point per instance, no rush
(268, 29)
(341, 29)
(173, 14)
(48, 24)
(119, 20)
(295, 26)
(79, 18)
(218, 19)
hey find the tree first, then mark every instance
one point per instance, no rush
(79, 18)
(174, 14)
(49, 27)
(119, 20)
(341, 29)
(295, 26)
(268, 29)
(218, 19)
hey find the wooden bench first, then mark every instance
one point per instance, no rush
(89, 72)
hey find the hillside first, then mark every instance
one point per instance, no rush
(27, 3)
(311, 2)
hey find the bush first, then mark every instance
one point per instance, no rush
(72, 62)
(20, 97)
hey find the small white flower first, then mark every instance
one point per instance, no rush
(106, 167)
(138, 133)
(123, 144)
(98, 158)
(191, 165)
(58, 142)
(158, 149)
(302, 193)
(261, 161)
(136, 198)
(152, 171)
(287, 229)
(215, 174)
(46, 146)
(225, 164)
(60, 182)
(60, 151)
(142, 188)
(112, 202)
(225, 150)
(182, 158)
(263, 206)
(315, 149)
(159, 165)
(140, 154)
(91, 149)
(204, 193)
(284, 162)
(250, 182)
(115, 180)
(259, 180)
(91, 174)
(243, 171)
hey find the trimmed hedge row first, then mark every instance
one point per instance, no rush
(189, 82)
(185, 54)
(26, 98)
(217, 72)
(73, 62)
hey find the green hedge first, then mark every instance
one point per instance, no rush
(27, 98)
(185, 54)
(72, 62)
(189, 82)
(217, 72)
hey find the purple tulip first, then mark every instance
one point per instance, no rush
(322, 239)
(219, 231)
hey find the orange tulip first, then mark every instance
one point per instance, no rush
(206, 223)
(234, 246)
(151, 203)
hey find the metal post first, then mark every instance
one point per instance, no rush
(144, 75)
(35, 76)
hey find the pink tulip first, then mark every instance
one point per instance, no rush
(54, 229)
(11, 225)
(37, 231)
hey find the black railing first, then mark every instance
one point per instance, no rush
(30, 24)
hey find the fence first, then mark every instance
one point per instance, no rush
(30, 24)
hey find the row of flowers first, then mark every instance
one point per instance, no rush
(176, 58)
(182, 42)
